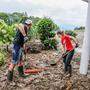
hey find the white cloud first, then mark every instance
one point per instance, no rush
(65, 11)
(7, 0)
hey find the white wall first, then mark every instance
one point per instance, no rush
(86, 45)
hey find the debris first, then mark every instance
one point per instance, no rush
(42, 76)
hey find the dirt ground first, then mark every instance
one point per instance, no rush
(51, 79)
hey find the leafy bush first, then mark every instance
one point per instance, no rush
(33, 33)
(72, 33)
(45, 29)
(6, 32)
(50, 43)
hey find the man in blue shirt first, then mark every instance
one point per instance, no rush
(18, 45)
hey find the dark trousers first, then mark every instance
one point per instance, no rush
(67, 61)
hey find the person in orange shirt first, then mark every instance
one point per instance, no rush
(68, 50)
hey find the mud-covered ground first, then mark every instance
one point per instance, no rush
(52, 78)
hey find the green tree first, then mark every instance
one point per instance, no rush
(72, 33)
(6, 32)
(46, 29)
(4, 16)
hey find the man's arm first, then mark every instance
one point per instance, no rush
(62, 49)
(21, 28)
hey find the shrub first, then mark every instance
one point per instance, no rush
(45, 29)
(72, 33)
(6, 32)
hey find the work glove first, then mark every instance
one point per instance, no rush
(25, 39)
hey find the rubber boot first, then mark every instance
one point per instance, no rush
(65, 69)
(21, 71)
(70, 70)
(10, 76)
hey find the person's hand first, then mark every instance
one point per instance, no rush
(63, 55)
(25, 39)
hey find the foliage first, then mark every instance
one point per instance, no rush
(50, 43)
(33, 33)
(4, 17)
(72, 33)
(45, 29)
(34, 19)
(16, 18)
(8, 21)
(6, 32)
(79, 28)
(13, 18)
(2, 58)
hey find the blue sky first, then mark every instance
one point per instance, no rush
(63, 12)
